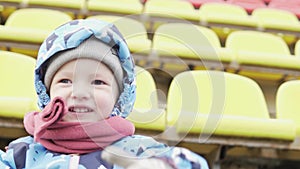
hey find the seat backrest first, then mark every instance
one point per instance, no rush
(222, 9)
(214, 93)
(67, 4)
(287, 102)
(16, 72)
(198, 3)
(119, 7)
(130, 28)
(174, 9)
(292, 6)
(256, 41)
(248, 5)
(133, 31)
(184, 35)
(283, 3)
(267, 15)
(37, 18)
(297, 48)
(146, 90)
(146, 113)
(17, 92)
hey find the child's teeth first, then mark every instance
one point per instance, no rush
(79, 110)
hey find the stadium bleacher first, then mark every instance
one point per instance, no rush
(23, 31)
(251, 49)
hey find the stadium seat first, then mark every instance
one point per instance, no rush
(267, 1)
(198, 3)
(189, 44)
(249, 5)
(135, 34)
(146, 113)
(281, 22)
(297, 48)
(222, 104)
(266, 54)
(115, 7)
(157, 12)
(292, 6)
(75, 7)
(25, 29)
(224, 18)
(14, 3)
(287, 104)
(17, 93)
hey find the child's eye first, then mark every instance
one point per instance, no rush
(98, 82)
(65, 81)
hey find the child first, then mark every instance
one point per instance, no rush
(85, 82)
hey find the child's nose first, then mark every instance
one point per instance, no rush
(80, 93)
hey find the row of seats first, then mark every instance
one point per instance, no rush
(172, 43)
(228, 17)
(250, 5)
(212, 14)
(217, 103)
(224, 17)
(137, 6)
(199, 101)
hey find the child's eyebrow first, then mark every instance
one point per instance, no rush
(66, 73)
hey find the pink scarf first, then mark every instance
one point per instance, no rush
(74, 137)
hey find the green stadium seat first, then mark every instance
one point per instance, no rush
(25, 29)
(222, 104)
(146, 112)
(287, 104)
(190, 44)
(17, 93)
(263, 54)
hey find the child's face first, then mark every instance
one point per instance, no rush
(89, 89)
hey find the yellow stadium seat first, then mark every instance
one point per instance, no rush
(297, 48)
(262, 53)
(74, 7)
(146, 112)
(157, 12)
(248, 5)
(291, 6)
(115, 7)
(287, 102)
(135, 34)
(281, 22)
(17, 93)
(189, 44)
(14, 3)
(25, 29)
(224, 18)
(222, 104)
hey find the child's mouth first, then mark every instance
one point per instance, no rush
(80, 110)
